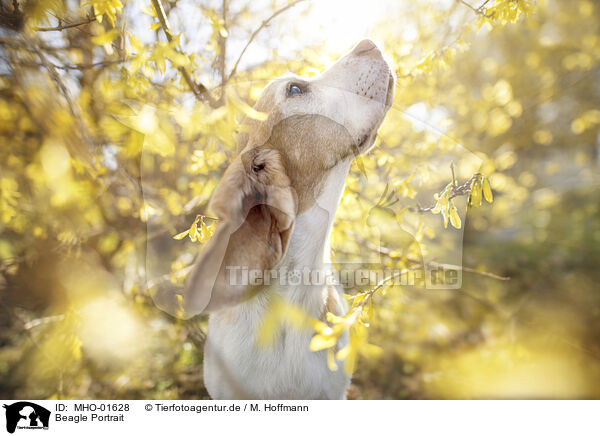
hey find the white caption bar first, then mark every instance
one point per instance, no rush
(158, 417)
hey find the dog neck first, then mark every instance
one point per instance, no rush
(309, 244)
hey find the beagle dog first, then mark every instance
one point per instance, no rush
(275, 206)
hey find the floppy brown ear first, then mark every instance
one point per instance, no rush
(256, 207)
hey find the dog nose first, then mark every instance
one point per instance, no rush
(364, 46)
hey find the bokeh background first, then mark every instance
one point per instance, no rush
(109, 121)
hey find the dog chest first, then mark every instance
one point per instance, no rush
(235, 366)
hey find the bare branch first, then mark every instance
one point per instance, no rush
(483, 4)
(88, 20)
(57, 81)
(41, 321)
(388, 253)
(469, 6)
(457, 191)
(467, 269)
(479, 10)
(222, 55)
(454, 182)
(67, 67)
(264, 24)
(89, 66)
(199, 90)
(74, 109)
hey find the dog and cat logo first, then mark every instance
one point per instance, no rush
(26, 415)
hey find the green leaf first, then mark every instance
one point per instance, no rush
(194, 231)
(181, 235)
(204, 233)
(487, 190)
(455, 218)
(446, 215)
(476, 193)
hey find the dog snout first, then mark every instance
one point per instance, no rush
(364, 46)
(373, 71)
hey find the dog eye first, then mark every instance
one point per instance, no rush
(295, 89)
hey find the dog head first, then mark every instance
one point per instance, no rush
(309, 126)
(348, 102)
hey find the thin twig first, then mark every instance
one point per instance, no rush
(264, 24)
(74, 109)
(67, 67)
(90, 66)
(222, 56)
(41, 321)
(358, 309)
(467, 269)
(478, 10)
(454, 182)
(207, 217)
(199, 90)
(88, 20)
(58, 82)
(483, 4)
(388, 253)
(457, 191)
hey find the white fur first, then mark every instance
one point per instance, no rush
(235, 367)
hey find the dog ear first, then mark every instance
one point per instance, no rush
(256, 207)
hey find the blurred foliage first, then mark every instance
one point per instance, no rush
(114, 130)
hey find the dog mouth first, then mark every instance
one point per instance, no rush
(389, 96)
(366, 139)
(363, 140)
